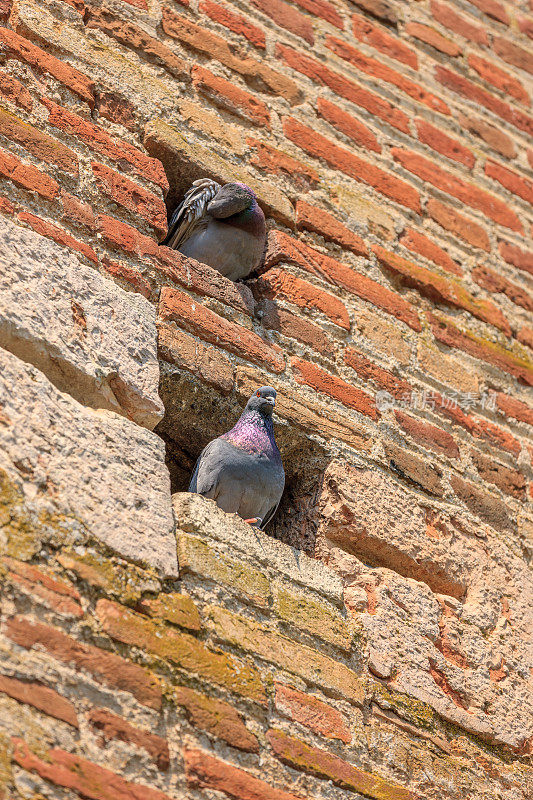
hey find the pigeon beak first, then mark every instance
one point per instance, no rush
(271, 401)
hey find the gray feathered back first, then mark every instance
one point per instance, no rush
(190, 214)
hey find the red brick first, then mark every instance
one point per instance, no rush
(294, 326)
(346, 161)
(368, 371)
(509, 480)
(39, 144)
(521, 259)
(60, 236)
(255, 73)
(136, 38)
(318, 762)
(107, 668)
(385, 73)
(126, 155)
(195, 318)
(311, 712)
(278, 283)
(479, 428)
(514, 408)
(15, 46)
(432, 37)
(276, 162)
(321, 381)
(234, 22)
(493, 9)
(6, 206)
(83, 777)
(365, 30)
(525, 335)
(205, 361)
(287, 17)
(448, 17)
(123, 237)
(498, 77)
(348, 124)
(131, 196)
(462, 86)
(113, 727)
(315, 219)
(526, 25)
(442, 143)
(232, 98)
(323, 9)
(428, 435)
(418, 243)
(447, 333)
(510, 180)
(27, 176)
(493, 136)
(57, 595)
(40, 697)
(382, 9)
(217, 718)
(348, 89)
(449, 219)
(124, 273)
(76, 211)
(282, 247)
(5, 8)
(116, 108)
(468, 193)
(494, 282)
(15, 92)
(204, 771)
(513, 54)
(440, 289)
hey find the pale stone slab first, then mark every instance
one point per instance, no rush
(62, 463)
(90, 337)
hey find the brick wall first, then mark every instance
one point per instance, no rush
(385, 653)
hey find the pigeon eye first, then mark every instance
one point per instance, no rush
(258, 394)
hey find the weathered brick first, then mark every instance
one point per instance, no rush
(277, 283)
(113, 727)
(413, 469)
(107, 668)
(116, 108)
(446, 369)
(40, 697)
(384, 73)
(493, 9)
(526, 25)
(203, 41)
(129, 157)
(497, 283)
(15, 92)
(514, 408)
(491, 135)
(276, 162)
(60, 236)
(132, 36)
(318, 762)
(124, 274)
(478, 428)
(515, 183)
(203, 360)
(525, 335)
(521, 259)
(384, 335)
(449, 219)
(308, 710)
(180, 649)
(217, 718)
(428, 435)
(315, 219)
(498, 77)
(442, 143)
(509, 480)
(6, 206)
(440, 289)
(432, 37)
(131, 196)
(321, 381)
(468, 193)
(448, 17)
(313, 615)
(83, 777)
(287, 17)
(234, 22)
(513, 53)
(323, 9)
(26, 176)
(348, 89)
(418, 243)
(348, 124)
(232, 98)
(484, 505)
(114, 577)
(294, 326)
(57, 595)
(282, 247)
(369, 371)
(197, 556)
(16, 46)
(77, 212)
(174, 607)
(365, 30)
(382, 9)
(208, 772)
(192, 316)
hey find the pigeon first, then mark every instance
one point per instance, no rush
(222, 226)
(242, 469)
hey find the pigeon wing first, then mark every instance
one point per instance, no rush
(209, 459)
(190, 214)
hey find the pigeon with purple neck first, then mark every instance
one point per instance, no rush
(221, 226)
(242, 470)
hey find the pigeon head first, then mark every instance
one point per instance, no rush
(232, 198)
(263, 400)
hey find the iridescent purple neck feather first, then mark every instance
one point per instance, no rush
(254, 432)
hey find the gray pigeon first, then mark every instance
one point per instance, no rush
(242, 469)
(222, 226)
